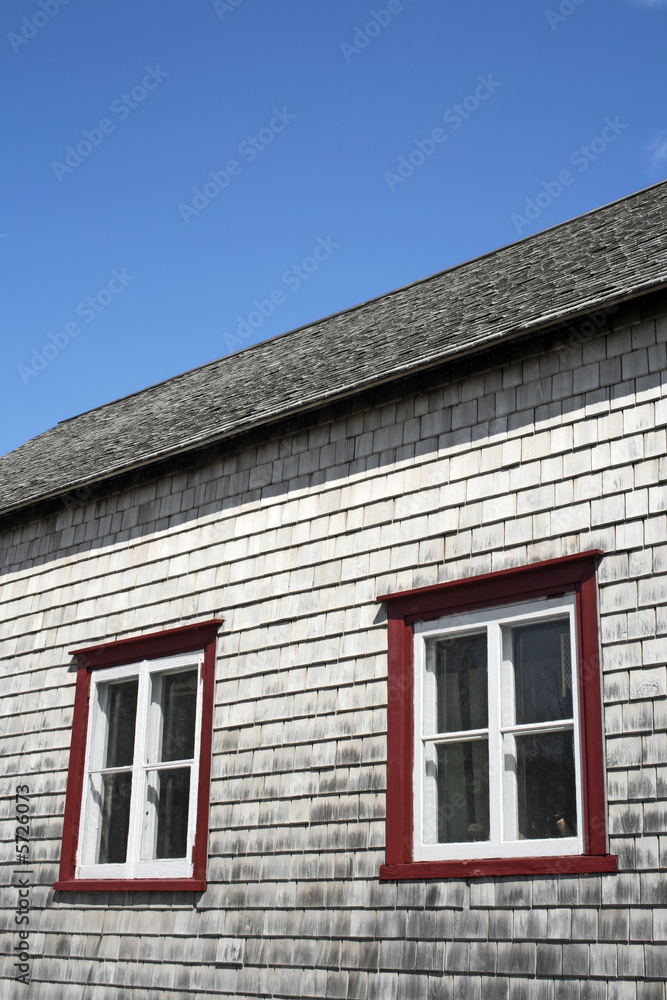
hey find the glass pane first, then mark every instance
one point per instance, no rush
(165, 832)
(179, 705)
(116, 790)
(543, 672)
(462, 784)
(546, 791)
(121, 714)
(461, 686)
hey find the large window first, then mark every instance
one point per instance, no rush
(137, 796)
(495, 742)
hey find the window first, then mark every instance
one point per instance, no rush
(136, 813)
(494, 727)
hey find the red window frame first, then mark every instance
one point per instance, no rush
(552, 578)
(185, 639)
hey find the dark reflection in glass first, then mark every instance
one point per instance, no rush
(463, 791)
(547, 805)
(543, 672)
(172, 812)
(116, 794)
(179, 705)
(121, 713)
(462, 686)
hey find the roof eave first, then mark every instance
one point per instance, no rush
(552, 320)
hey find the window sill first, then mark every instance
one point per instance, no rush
(131, 885)
(576, 864)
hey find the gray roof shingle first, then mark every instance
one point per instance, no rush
(605, 256)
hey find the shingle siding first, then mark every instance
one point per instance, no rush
(290, 540)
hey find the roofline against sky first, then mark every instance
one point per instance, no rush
(367, 302)
(357, 389)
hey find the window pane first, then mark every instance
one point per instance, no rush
(543, 672)
(116, 790)
(546, 791)
(121, 714)
(461, 686)
(179, 705)
(462, 782)
(165, 833)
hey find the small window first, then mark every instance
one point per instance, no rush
(137, 796)
(496, 759)
(141, 779)
(495, 743)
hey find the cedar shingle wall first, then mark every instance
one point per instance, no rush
(291, 541)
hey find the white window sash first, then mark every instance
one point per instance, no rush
(134, 866)
(502, 790)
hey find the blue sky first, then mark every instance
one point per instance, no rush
(181, 180)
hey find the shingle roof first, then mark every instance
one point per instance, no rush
(612, 253)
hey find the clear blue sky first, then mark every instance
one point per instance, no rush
(304, 119)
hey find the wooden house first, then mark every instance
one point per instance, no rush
(337, 667)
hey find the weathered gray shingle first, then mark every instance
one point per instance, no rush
(600, 258)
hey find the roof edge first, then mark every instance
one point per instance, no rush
(367, 302)
(552, 323)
